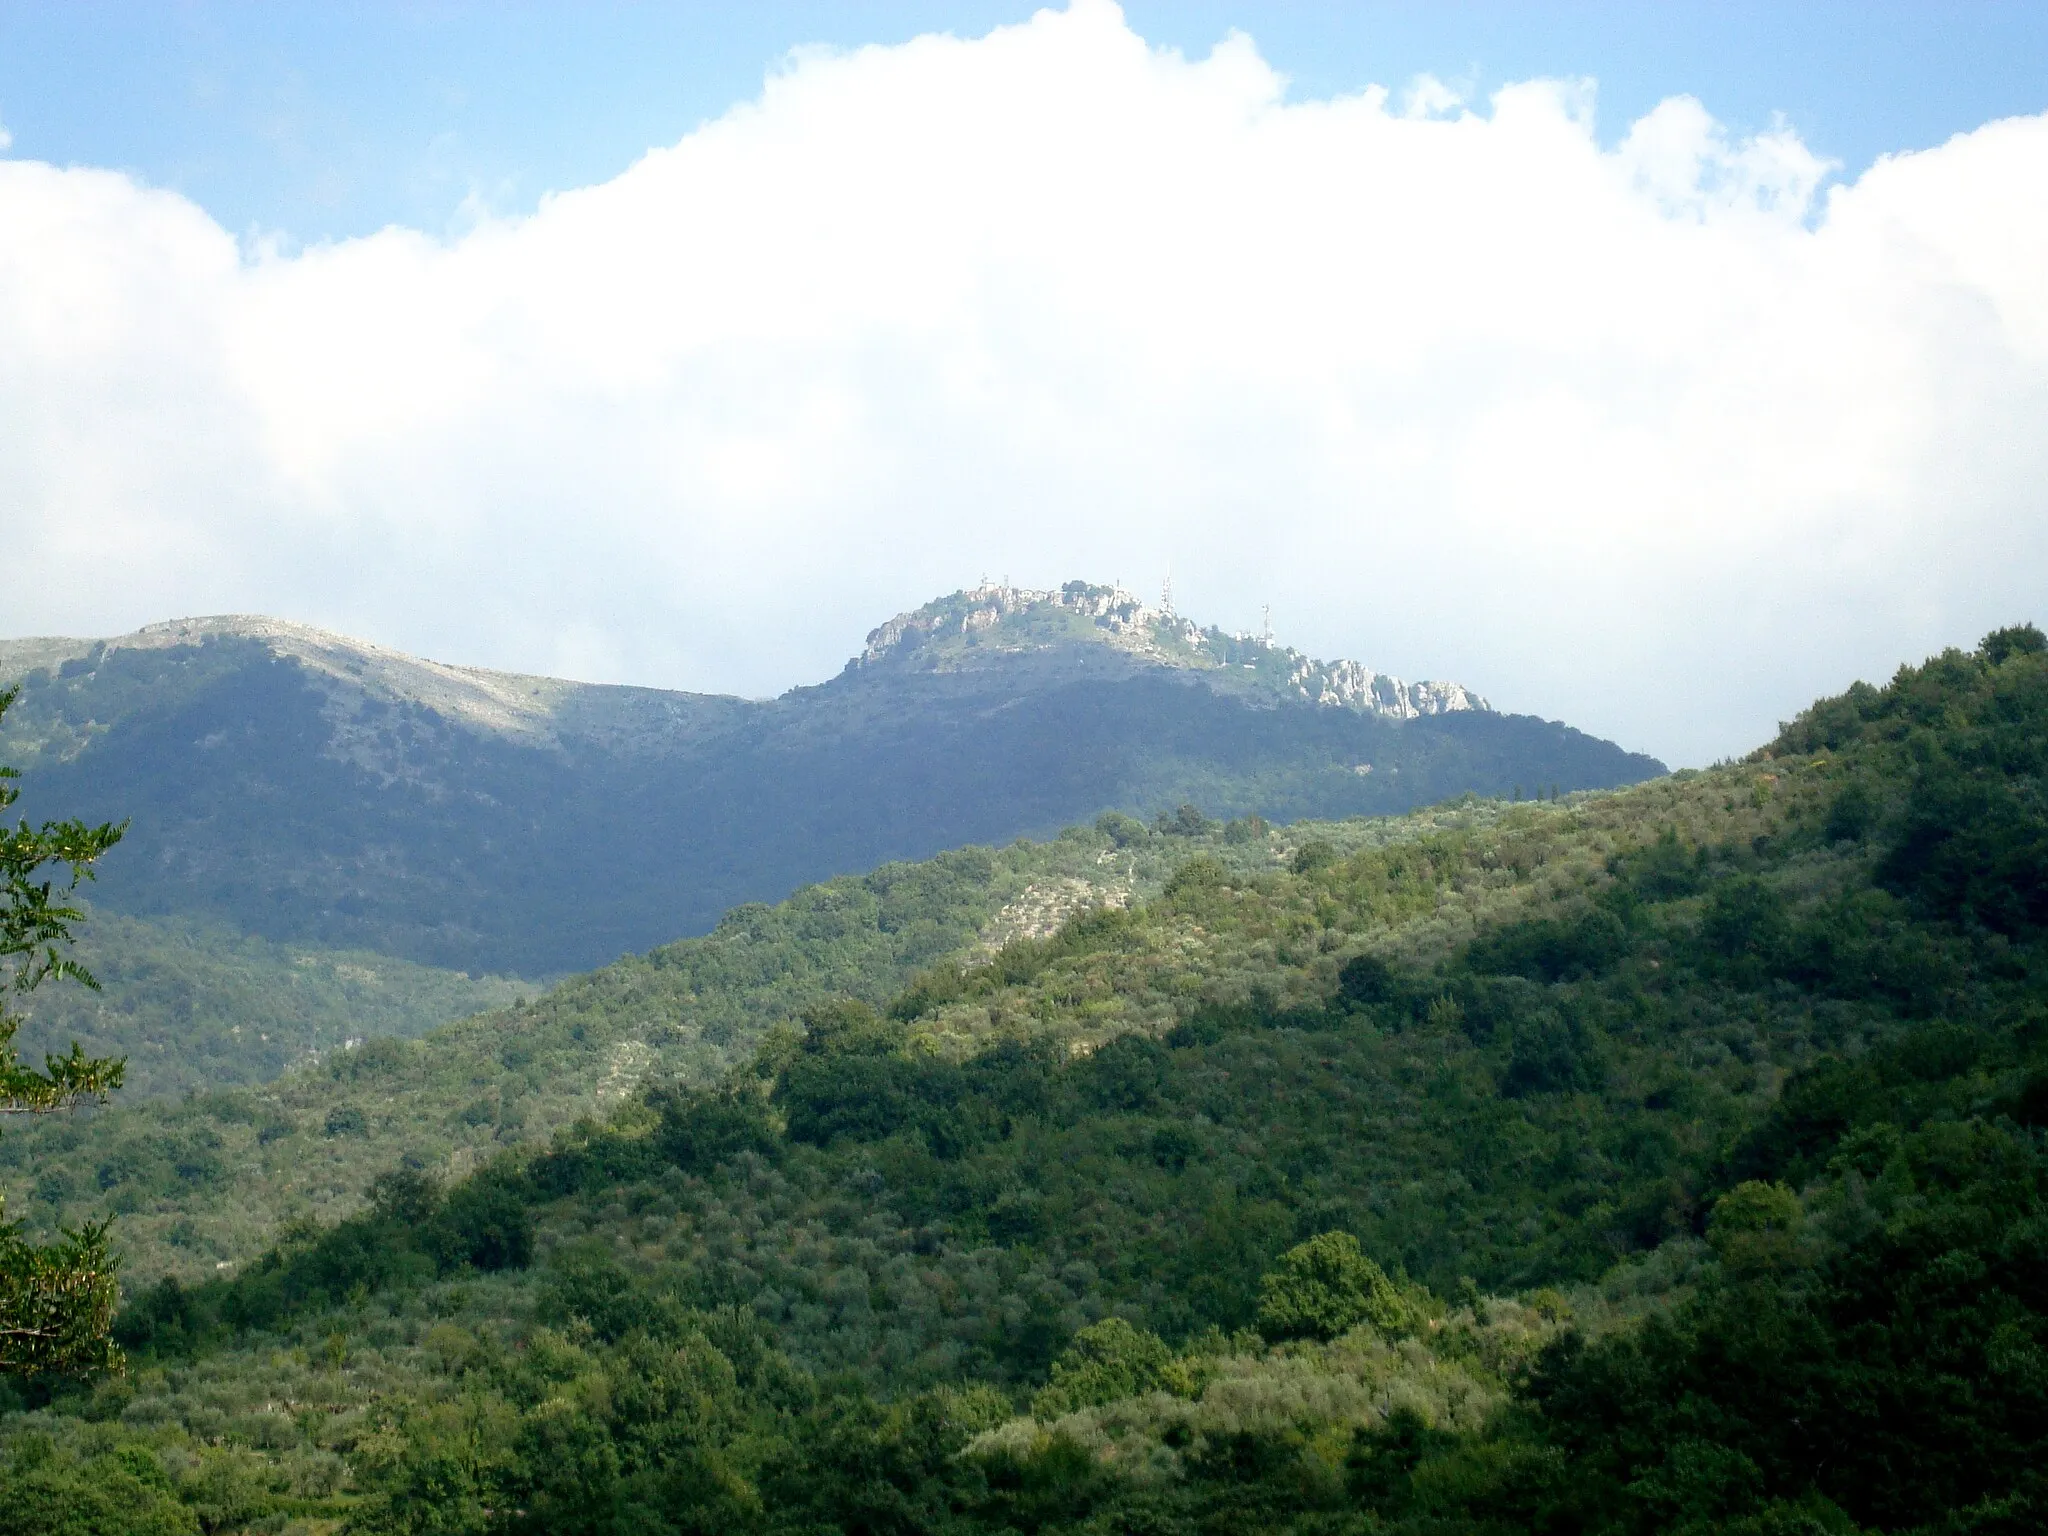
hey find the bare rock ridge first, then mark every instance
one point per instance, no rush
(975, 626)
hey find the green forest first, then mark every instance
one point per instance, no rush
(1668, 1159)
(194, 1007)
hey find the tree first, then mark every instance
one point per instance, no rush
(1325, 1287)
(57, 1300)
(1107, 1361)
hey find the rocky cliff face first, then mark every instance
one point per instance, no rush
(977, 626)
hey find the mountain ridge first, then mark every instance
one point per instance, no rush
(304, 787)
(515, 704)
(949, 634)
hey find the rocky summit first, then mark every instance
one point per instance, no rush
(984, 623)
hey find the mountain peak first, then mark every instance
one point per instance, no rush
(981, 626)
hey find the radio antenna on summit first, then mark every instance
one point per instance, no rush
(1266, 623)
(1166, 595)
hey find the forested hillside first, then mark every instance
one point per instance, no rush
(194, 1007)
(1667, 1160)
(210, 1179)
(313, 790)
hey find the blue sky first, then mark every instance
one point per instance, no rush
(1661, 408)
(326, 120)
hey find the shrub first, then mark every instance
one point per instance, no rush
(1852, 815)
(1120, 829)
(1245, 829)
(2015, 640)
(1552, 1053)
(1198, 874)
(484, 1224)
(1549, 950)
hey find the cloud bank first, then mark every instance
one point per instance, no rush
(1661, 438)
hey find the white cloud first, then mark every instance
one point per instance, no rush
(1660, 439)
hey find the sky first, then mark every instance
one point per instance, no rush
(1652, 368)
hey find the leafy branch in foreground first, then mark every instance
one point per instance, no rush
(56, 1301)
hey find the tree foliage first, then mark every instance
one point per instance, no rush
(57, 1300)
(1325, 1287)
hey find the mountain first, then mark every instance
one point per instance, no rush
(306, 788)
(1662, 1161)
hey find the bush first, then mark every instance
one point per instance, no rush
(1755, 1227)
(1973, 848)
(2001, 645)
(1200, 873)
(1552, 1053)
(1745, 920)
(1550, 950)
(405, 1197)
(1121, 829)
(1851, 815)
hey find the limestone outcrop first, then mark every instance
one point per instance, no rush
(975, 627)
